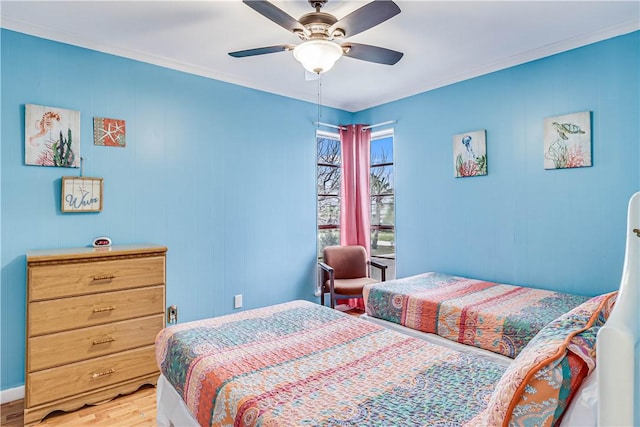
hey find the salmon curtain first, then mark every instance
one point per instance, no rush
(355, 199)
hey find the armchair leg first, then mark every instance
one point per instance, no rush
(321, 296)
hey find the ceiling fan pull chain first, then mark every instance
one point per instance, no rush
(319, 102)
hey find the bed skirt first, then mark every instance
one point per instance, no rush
(172, 411)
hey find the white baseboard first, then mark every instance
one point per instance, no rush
(11, 394)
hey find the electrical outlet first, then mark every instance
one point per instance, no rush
(237, 301)
(172, 314)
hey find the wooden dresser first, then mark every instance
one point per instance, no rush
(92, 318)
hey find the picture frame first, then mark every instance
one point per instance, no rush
(81, 194)
(51, 136)
(470, 154)
(567, 141)
(109, 132)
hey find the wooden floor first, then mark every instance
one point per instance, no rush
(133, 410)
(355, 312)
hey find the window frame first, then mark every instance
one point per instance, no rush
(336, 137)
(381, 134)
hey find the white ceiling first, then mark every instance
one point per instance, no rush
(443, 41)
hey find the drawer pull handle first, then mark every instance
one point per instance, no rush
(100, 278)
(104, 341)
(102, 374)
(100, 310)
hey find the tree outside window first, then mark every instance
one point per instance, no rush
(329, 174)
(382, 198)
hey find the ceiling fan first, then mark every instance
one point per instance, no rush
(319, 32)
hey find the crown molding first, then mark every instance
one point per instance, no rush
(511, 61)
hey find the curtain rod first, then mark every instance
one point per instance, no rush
(364, 128)
(390, 122)
(329, 125)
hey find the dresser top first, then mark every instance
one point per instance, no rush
(91, 252)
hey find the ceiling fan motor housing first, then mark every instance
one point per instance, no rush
(318, 23)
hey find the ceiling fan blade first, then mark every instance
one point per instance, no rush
(261, 50)
(277, 15)
(369, 15)
(376, 54)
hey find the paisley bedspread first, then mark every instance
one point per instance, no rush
(496, 317)
(299, 363)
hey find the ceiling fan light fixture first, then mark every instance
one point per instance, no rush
(317, 56)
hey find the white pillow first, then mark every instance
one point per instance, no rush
(583, 409)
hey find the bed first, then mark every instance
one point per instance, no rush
(496, 317)
(281, 365)
(299, 363)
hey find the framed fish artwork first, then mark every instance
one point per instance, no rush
(470, 154)
(567, 141)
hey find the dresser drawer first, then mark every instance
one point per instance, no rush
(57, 383)
(61, 280)
(47, 351)
(45, 317)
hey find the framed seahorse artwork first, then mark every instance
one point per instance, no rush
(52, 136)
(470, 154)
(567, 141)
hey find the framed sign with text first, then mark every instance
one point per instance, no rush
(80, 194)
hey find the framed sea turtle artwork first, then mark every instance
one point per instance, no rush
(567, 141)
(52, 136)
(470, 154)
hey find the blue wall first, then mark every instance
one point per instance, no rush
(224, 176)
(522, 224)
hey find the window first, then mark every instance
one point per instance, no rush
(329, 174)
(381, 182)
(329, 160)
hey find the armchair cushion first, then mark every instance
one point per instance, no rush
(348, 262)
(349, 286)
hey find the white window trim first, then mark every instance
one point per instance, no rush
(384, 133)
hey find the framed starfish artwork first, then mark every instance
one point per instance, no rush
(109, 132)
